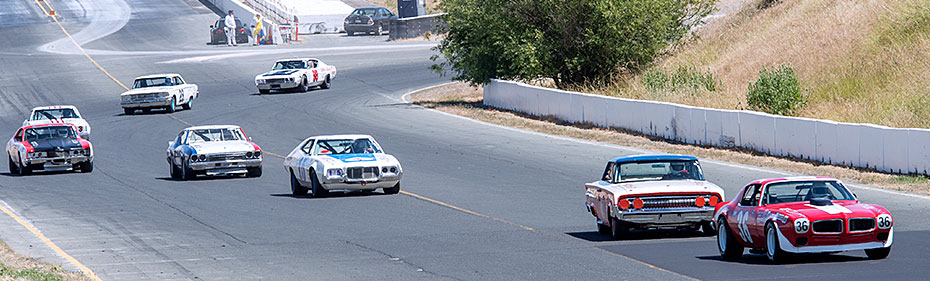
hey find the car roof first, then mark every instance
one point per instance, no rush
(346, 136)
(652, 157)
(790, 179)
(157, 75)
(47, 125)
(370, 7)
(212, 127)
(53, 107)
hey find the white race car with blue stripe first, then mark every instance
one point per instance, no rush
(341, 162)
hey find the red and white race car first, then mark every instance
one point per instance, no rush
(783, 216)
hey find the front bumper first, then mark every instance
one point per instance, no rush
(671, 217)
(159, 102)
(230, 166)
(381, 181)
(787, 246)
(63, 161)
(275, 86)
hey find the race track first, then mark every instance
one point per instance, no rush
(480, 202)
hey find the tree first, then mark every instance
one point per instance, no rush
(571, 42)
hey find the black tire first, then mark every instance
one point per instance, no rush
(350, 33)
(263, 92)
(186, 172)
(316, 187)
(296, 188)
(87, 166)
(190, 103)
(392, 190)
(146, 110)
(303, 85)
(174, 171)
(772, 249)
(173, 106)
(727, 245)
(326, 83)
(618, 229)
(14, 169)
(707, 228)
(129, 111)
(878, 253)
(254, 172)
(603, 229)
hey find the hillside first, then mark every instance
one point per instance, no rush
(857, 61)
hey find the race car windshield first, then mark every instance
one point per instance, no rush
(345, 146)
(801, 191)
(289, 65)
(365, 12)
(152, 82)
(208, 135)
(660, 170)
(52, 114)
(51, 132)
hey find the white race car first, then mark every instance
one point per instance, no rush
(213, 150)
(341, 162)
(166, 91)
(300, 74)
(59, 114)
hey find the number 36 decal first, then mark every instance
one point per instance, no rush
(884, 221)
(802, 225)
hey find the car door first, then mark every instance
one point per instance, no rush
(605, 198)
(313, 73)
(12, 147)
(745, 213)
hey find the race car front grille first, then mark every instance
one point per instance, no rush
(359, 173)
(828, 226)
(276, 81)
(142, 97)
(225, 157)
(861, 224)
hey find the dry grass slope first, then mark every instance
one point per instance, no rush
(862, 61)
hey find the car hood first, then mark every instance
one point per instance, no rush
(359, 159)
(148, 90)
(64, 144)
(839, 209)
(75, 121)
(222, 147)
(281, 72)
(666, 186)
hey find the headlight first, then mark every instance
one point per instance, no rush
(36, 154)
(260, 81)
(87, 152)
(194, 157)
(164, 94)
(334, 173)
(391, 169)
(124, 98)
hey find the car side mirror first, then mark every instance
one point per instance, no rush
(211, 26)
(170, 143)
(250, 138)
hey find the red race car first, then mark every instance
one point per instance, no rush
(801, 215)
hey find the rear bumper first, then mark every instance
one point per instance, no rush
(159, 102)
(672, 217)
(360, 27)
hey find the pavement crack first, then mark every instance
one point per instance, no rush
(395, 258)
(175, 208)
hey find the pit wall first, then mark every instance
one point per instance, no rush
(871, 146)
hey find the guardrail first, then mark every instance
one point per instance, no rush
(415, 26)
(870, 146)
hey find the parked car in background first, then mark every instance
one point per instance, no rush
(218, 32)
(300, 74)
(59, 114)
(213, 150)
(341, 162)
(367, 20)
(53, 146)
(652, 191)
(784, 216)
(166, 91)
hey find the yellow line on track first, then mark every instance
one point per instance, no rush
(85, 269)
(650, 265)
(437, 202)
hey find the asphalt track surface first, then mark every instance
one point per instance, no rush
(480, 202)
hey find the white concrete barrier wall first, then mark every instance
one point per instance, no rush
(860, 145)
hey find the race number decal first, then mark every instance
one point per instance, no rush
(884, 221)
(802, 225)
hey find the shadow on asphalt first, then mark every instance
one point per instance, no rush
(633, 235)
(287, 92)
(337, 194)
(41, 173)
(760, 259)
(204, 178)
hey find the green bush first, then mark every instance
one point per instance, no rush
(777, 91)
(684, 78)
(571, 42)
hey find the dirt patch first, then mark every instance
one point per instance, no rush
(16, 267)
(464, 100)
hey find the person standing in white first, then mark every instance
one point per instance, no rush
(230, 29)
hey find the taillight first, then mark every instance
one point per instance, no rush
(624, 204)
(370, 22)
(714, 200)
(699, 201)
(347, 21)
(219, 31)
(242, 30)
(638, 203)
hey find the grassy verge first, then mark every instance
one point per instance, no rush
(16, 267)
(464, 100)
